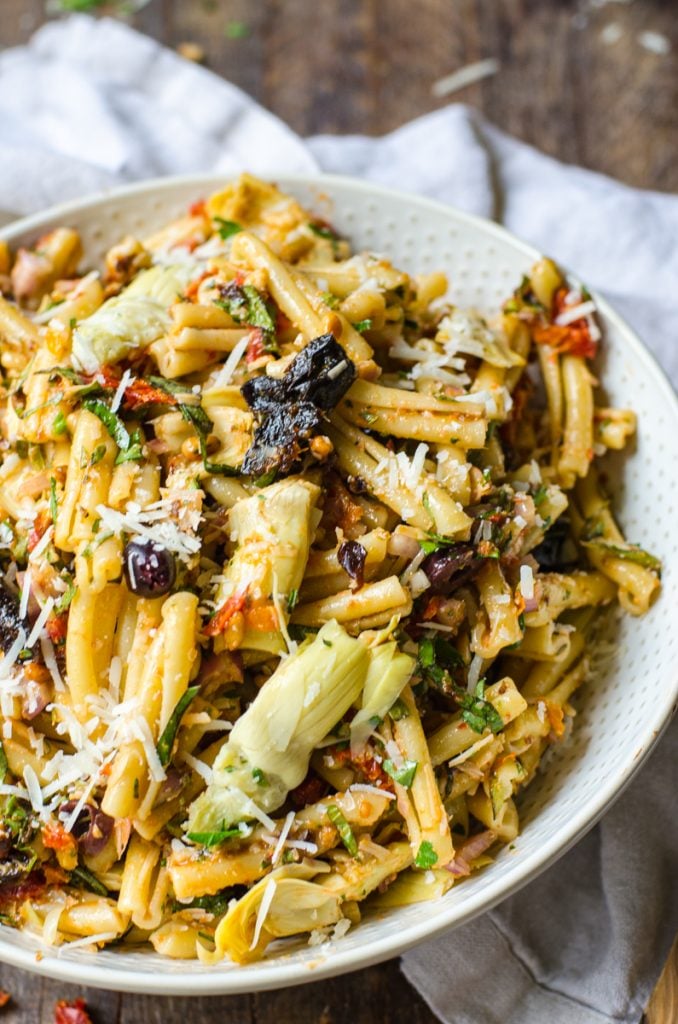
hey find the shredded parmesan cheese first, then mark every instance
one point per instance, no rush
(264, 907)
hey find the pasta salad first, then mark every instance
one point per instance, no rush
(299, 565)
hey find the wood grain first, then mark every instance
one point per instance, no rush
(368, 66)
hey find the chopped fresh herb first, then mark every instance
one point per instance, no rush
(330, 300)
(328, 643)
(426, 856)
(259, 777)
(323, 231)
(199, 420)
(403, 775)
(59, 425)
(64, 601)
(135, 450)
(217, 904)
(478, 712)
(363, 325)
(97, 455)
(130, 447)
(292, 599)
(4, 764)
(437, 660)
(227, 228)
(628, 553)
(53, 503)
(22, 449)
(434, 542)
(85, 878)
(399, 710)
(213, 838)
(246, 305)
(367, 416)
(540, 494)
(166, 741)
(343, 828)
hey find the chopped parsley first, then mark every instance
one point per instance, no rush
(399, 710)
(213, 838)
(363, 325)
(199, 420)
(434, 542)
(259, 777)
(166, 741)
(4, 764)
(85, 878)
(426, 856)
(437, 659)
(227, 228)
(343, 828)
(53, 503)
(403, 775)
(477, 712)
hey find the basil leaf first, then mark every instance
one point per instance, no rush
(213, 838)
(199, 420)
(477, 712)
(426, 856)
(87, 880)
(363, 325)
(4, 764)
(343, 828)
(227, 228)
(434, 542)
(166, 741)
(630, 553)
(130, 447)
(403, 775)
(53, 503)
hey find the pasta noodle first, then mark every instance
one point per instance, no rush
(299, 576)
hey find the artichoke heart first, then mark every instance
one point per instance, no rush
(387, 677)
(272, 742)
(132, 320)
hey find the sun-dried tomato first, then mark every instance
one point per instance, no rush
(57, 627)
(221, 619)
(197, 209)
(55, 837)
(312, 789)
(255, 346)
(71, 1013)
(364, 763)
(40, 525)
(140, 393)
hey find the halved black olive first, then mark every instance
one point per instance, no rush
(149, 568)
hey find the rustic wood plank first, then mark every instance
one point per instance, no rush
(663, 1005)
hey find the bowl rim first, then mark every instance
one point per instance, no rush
(266, 975)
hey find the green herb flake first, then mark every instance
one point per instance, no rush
(213, 838)
(97, 455)
(343, 828)
(259, 777)
(399, 710)
(166, 741)
(199, 420)
(628, 553)
(4, 764)
(477, 712)
(87, 880)
(53, 503)
(540, 495)
(434, 542)
(426, 856)
(403, 774)
(227, 228)
(292, 600)
(363, 325)
(64, 601)
(130, 447)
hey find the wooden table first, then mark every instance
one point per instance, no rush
(575, 81)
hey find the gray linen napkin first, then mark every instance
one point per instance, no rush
(89, 104)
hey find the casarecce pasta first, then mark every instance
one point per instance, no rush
(299, 560)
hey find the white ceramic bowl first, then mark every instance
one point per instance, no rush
(620, 717)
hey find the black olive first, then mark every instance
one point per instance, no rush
(149, 568)
(449, 567)
(10, 623)
(351, 557)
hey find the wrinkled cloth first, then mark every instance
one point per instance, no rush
(87, 105)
